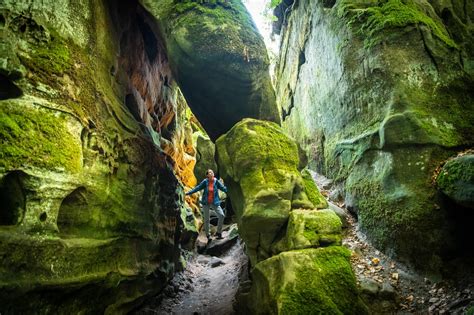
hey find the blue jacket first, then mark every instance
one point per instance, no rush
(204, 185)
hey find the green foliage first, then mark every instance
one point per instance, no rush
(391, 14)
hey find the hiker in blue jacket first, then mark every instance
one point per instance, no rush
(210, 201)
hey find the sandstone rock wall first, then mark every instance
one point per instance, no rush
(379, 93)
(93, 140)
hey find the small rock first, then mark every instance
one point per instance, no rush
(216, 261)
(369, 286)
(433, 300)
(459, 303)
(410, 298)
(395, 276)
(375, 261)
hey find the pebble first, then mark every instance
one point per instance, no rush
(433, 300)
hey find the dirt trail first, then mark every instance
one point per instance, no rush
(207, 286)
(391, 287)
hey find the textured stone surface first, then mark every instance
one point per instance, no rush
(456, 180)
(205, 155)
(281, 227)
(259, 164)
(91, 206)
(379, 93)
(310, 228)
(309, 281)
(219, 60)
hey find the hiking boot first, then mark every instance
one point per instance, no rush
(219, 236)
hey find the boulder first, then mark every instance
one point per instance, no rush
(308, 281)
(310, 228)
(456, 180)
(259, 164)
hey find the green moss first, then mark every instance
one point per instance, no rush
(456, 180)
(50, 58)
(35, 137)
(392, 14)
(309, 281)
(312, 191)
(470, 310)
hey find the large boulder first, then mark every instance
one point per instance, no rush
(219, 60)
(379, 93)
(259, 164)
(308, 281)
(281, 226)
(456, 180)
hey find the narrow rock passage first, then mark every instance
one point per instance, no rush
(207, 286)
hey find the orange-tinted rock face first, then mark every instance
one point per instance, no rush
(94, 141)
(152, 95)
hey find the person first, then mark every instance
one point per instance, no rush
(210, 201)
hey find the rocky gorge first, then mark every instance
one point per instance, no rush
(110, 111)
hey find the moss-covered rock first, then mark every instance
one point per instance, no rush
(456, 180)
(312, 191)
(219, 60)
(310, 228)
(259, 163)
(389, 101)
(90, 212)
(205, 155)
(308, 281)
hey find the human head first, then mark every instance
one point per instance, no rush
(209, 173)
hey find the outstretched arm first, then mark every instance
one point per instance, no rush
(197, 188)
(221, 186)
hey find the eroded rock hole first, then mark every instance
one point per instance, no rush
(133, 106)
(301, 58)
(446, 16)
(43, 216)
(149, 39)
(12, 198)
(8, 89)
(329, 3)
(73, 212)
